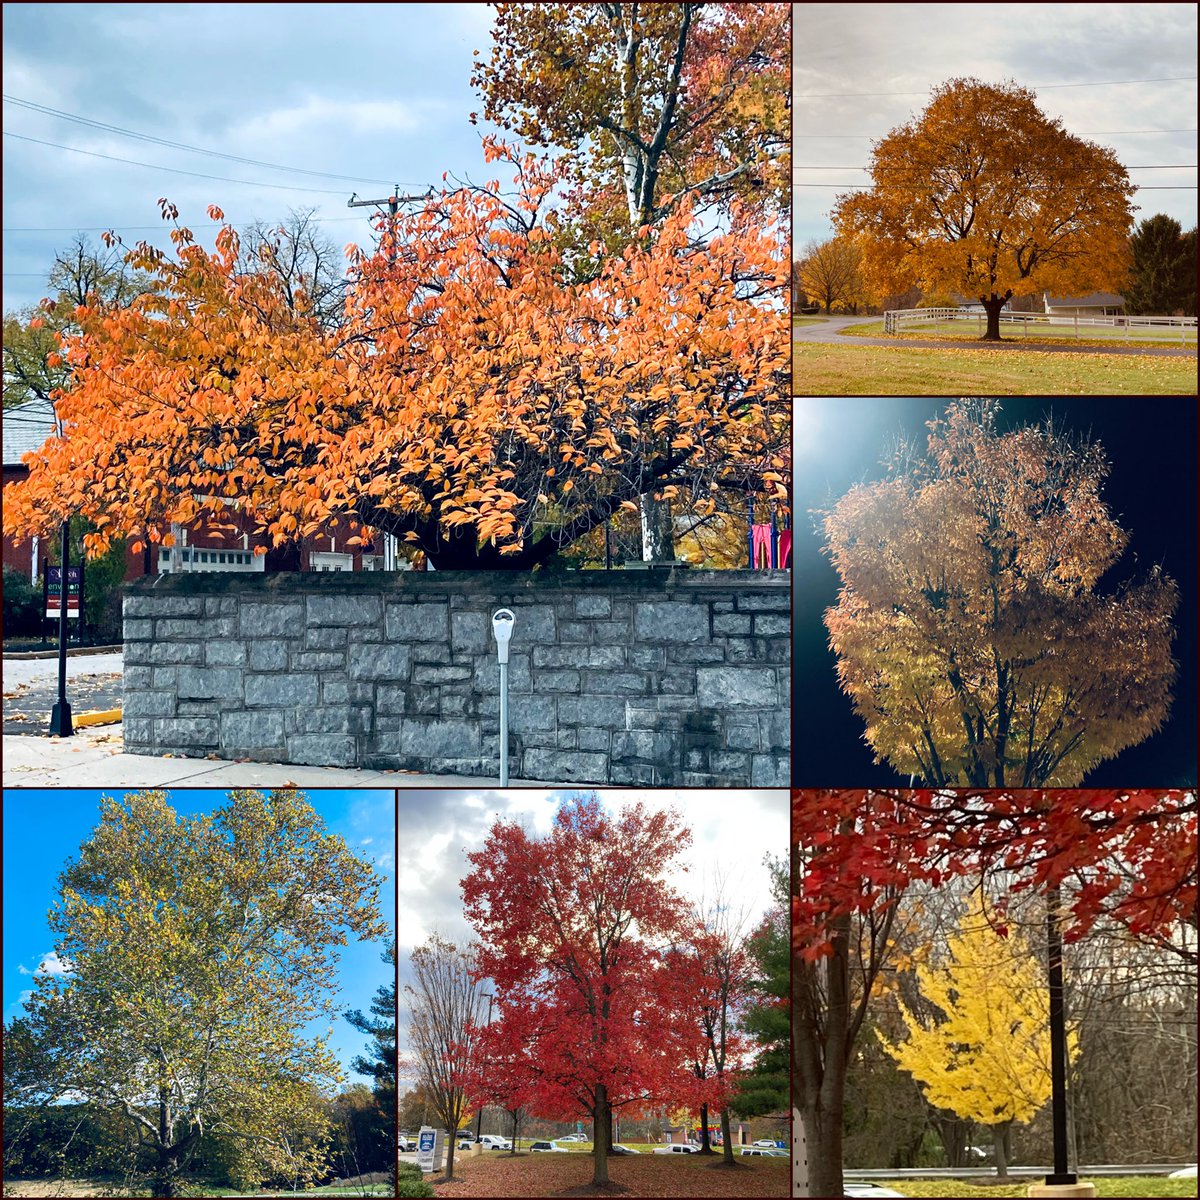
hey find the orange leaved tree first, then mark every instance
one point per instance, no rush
(477, 399)
(985, 195)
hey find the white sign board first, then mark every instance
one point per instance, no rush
(431, 1144)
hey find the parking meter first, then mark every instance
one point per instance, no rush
(502, 629)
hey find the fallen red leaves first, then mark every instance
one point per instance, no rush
(646, 1175)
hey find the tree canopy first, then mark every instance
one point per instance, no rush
(985, 195)
(196, 951)
(971, 631)
(1162, 273)
(599, 1005)
(655, 102)
(474, 400)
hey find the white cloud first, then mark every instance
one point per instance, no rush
(23, 970)
(51, 964)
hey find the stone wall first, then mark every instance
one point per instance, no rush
(635, 677)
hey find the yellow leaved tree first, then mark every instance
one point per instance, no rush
(984, 194)
(986, 1057)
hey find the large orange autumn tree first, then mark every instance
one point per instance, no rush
(479, 400)
(985, 195)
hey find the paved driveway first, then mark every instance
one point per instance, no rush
(829, 333)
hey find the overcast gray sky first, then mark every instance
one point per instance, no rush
(843, 50)
(376, 92)
(731, 832)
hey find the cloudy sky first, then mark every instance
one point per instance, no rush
(42, 829)
(731, 832)
(862, 69)
(372, 94)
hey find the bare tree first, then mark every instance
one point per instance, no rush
(445, 1007)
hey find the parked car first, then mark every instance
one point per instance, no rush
(546, 1148)
(870, 1191)
(777, 1153)
(406, 1143)
(677, 1148)
(619, 1149)
(765, 1142)
(1184, 1173)
(464, 1141)
(573, 1137)
(493, 1141)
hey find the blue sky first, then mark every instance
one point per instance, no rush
(43, 828)
(1112, 72)
(379, 94)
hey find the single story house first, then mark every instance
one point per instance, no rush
(1096, 304)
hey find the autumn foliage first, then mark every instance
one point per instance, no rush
(971, 631)
(985, 195)
(1128, 856)
(599, 1006)
(482, 399)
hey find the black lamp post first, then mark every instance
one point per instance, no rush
(479, 1114)
(60, 716)
(1058, 1042)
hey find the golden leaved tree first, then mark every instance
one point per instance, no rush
(970, 630)
(985, 195)
(986, 1057)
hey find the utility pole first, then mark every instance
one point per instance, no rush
(393, 202)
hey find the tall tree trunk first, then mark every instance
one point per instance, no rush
(450, 1152)
(601, 1136)
(726, 1139)
(992, 305)
(705, 1142)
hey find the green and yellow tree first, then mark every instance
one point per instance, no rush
(196, 949)
(983, 1052)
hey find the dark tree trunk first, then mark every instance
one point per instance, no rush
(1001, 1142)
(992, 305)
(705, 1143)
(727, 1139)
(601, 1136)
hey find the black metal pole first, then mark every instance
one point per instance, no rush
(1058, 1041)
(60, 716)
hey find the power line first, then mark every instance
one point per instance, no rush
(146, 137)
(1043, 86)
(117, 226)
(283, 187)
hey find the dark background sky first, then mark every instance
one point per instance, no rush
(1151, 490)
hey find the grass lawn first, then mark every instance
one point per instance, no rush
(808, 321)
(100, 1187)
(644, 1175)
(1091, 336)
(1129, 1185)
(821, 370)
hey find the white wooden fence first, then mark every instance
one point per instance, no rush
(958, 320)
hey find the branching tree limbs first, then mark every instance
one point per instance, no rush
(985, 195)
(197, 949)
(446, 1007)
(971, 634)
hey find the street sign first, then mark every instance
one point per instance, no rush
(431, 1144)
(52, 590)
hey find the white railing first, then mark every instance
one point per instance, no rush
(895, 320)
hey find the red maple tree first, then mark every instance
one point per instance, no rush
(599, 1009)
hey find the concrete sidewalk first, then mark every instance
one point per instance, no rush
(96, 758)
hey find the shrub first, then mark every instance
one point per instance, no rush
(22, 605)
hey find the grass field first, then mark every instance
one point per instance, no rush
(808, 321)
(645, 1175)
(832, 370)
(1034, 336)
(1130, 1185)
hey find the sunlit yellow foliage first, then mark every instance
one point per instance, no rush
(987, 1057)
(969, 631)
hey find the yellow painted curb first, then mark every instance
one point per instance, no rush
(105, 716)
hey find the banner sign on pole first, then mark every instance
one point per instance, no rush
(52, 590)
